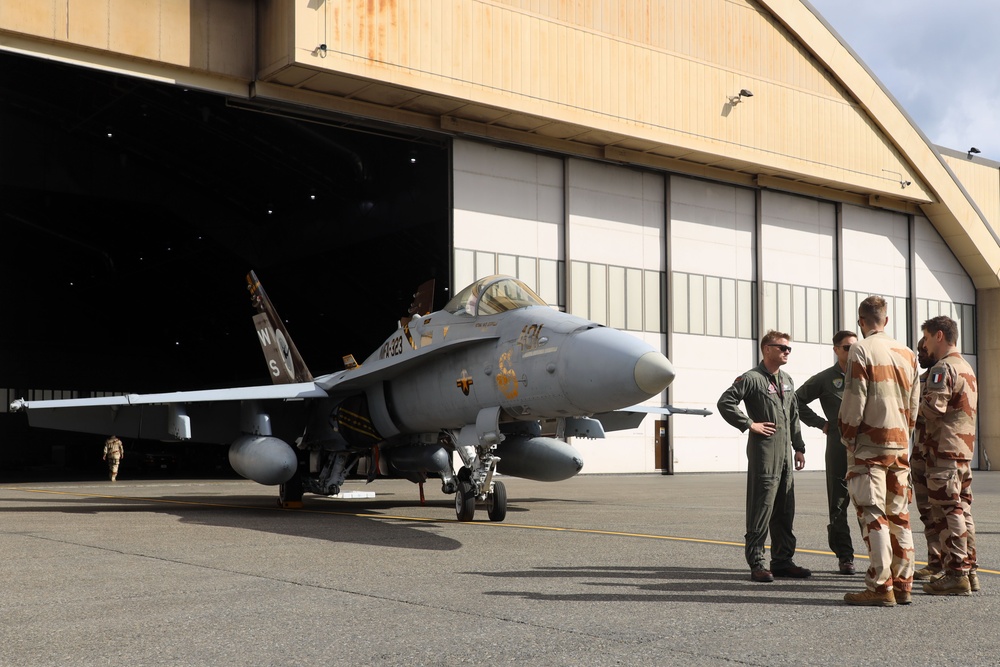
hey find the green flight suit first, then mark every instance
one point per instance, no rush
(770, 488)
(828, 387)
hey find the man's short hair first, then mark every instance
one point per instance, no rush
(945, 325)
(841, 335)
(772, 336)
(873, 310)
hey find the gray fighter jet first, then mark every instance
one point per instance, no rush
(497, 378)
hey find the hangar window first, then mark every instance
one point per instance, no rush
(622, 297)
(806, 313)
(898, 306)
(712, 305)
(963, 313)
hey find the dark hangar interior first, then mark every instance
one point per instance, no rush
(132, 211)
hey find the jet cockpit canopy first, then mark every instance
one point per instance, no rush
(492, 295)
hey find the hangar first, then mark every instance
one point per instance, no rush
(692, 171)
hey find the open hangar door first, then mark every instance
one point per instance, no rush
(131, 211)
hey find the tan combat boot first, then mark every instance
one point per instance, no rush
(902, 597)
(926, 573)
(867, 598)
(973, 581)
(952, 583)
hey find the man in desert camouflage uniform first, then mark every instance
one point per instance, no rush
(772, 418)
(877, 416)
(918, 475)
(114, 452)
(948, 407)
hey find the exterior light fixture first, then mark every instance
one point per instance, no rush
(736, 99)
(973, 151)
(902, 182)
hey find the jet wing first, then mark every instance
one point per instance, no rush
(626, 418)
(214, 415)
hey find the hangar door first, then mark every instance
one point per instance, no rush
(589, 237)
(508, 217)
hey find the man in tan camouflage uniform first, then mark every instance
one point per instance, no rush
(772, 419)
(918, 474)
(948, 407)
(877, 415)
(114, 452)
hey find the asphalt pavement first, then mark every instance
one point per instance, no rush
(595, 570)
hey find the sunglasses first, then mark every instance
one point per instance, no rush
(785, 349)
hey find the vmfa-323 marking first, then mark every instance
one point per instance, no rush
(496, 378)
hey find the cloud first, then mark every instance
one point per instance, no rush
(939, 60)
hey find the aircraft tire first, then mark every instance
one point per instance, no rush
(465, 501)
(496, 502)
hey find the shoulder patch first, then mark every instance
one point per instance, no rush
(936, 379)
(739, 379)
(839, 383)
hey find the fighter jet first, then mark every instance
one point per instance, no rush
(496, 378)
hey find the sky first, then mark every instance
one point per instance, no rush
(940, 60)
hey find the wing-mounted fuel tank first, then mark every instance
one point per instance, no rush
(264, 459)
(530, 455)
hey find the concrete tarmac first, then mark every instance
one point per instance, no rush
(596, 570)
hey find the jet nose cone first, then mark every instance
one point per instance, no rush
(604, 369)
(653, 373)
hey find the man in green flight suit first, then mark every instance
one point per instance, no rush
(828, 387)
(772, 417)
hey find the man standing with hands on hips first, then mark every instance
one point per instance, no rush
(877, 415)
(772, 418)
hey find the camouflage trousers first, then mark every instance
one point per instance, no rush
(918, 476)
(113, 462)
(878, 480)
(949, 527)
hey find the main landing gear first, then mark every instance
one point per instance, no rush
(466, 497)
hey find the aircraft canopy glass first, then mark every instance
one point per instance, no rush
(492, 295)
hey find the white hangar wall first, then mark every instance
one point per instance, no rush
(697, 269)
(712, 230)
(615, 256)
(799, 273)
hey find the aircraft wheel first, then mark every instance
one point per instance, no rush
(465, 501)
(496, 502)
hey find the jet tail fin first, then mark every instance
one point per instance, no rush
(284, 363)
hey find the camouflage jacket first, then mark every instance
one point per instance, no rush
(948, 407)
(828, 387)
(881, 394)
(920, 433)
(767, 399)
(114, 448)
